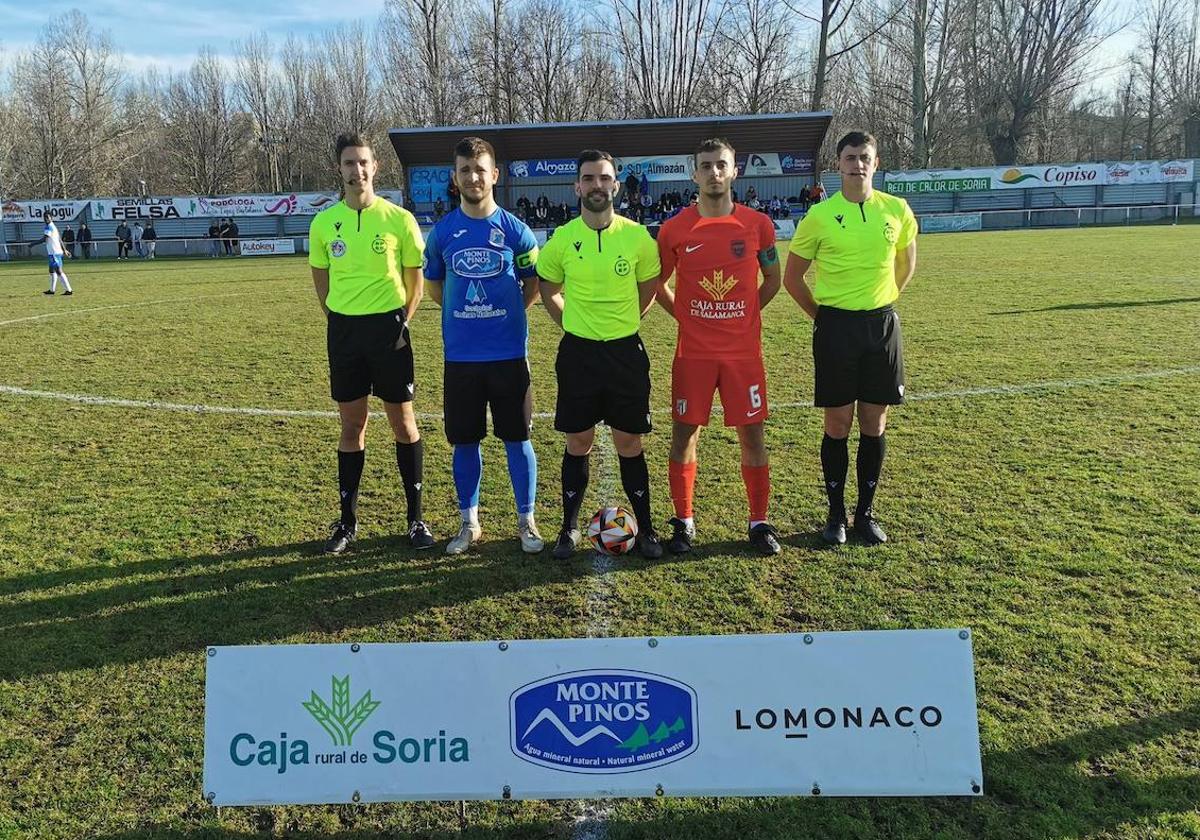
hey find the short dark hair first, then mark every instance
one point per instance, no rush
(474, 147)
(857, 138)
(713, 144)
(346, 140)
(592, 156)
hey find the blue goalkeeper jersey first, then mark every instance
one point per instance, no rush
(481, 264)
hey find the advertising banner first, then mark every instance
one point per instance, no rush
(559, 167)
(834, 714)
(656, 168)
(797, 164)
(260, 247)
(428, 183)
(951, 223)
(773, 163)
(785, 228)
(152, 207)
(33, 211)
(1150, 171)
(296, 204)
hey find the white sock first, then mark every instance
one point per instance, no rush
(754, 523)
(66, 282)
(470, 516)
(53, 282)
(689, 522)
(525, 519)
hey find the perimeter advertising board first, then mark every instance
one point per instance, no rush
(266, 247)
(31, 211)
(871, 713)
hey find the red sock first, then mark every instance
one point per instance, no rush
(758, 490)
(683, 479)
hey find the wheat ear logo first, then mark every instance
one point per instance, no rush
(339, 718)
(718, 285)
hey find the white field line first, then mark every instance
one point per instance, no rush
(136, 305)
(950, 394)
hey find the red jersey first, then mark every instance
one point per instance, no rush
(715, 261)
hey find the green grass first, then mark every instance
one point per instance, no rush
(1058, 521)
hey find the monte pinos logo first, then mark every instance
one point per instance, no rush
(602, 721)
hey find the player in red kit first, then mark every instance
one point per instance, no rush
(715, 249)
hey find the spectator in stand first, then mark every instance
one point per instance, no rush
(752, 202)
(564, 213)
(233, 237)
(523, 208)
(439, 209)
(85, 240)
(694, 199)
(776, 207)
(138, 231)
(818, 192)
(226, 242)
(805, 196)
(124, 239)
(623, 207)
(149, 240)
(632, 186)
(751, 194)
(541, 213)
(68, 241)
(214, 239)
(644, 186)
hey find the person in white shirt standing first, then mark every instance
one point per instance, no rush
(54, 256)
(138, 232)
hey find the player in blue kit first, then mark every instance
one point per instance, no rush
(480, 268)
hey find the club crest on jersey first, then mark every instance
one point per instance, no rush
(889, 233)
(496, 237)
(622, 267)
(738, 246)
(337, 248)
(378, 245)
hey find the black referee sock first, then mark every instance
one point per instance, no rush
(635, 478)
(350, 468)
(410, 458)
(574, 481)
(835, 462)
(870, 464)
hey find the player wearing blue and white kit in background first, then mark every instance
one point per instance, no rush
(480, 268)
(54, 256)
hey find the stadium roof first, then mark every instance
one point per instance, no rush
(757, 133)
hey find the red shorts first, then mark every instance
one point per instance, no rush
(742, 383)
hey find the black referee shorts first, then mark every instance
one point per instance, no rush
(470, 387)
(857, 355)
(602, 380)
(369, 354)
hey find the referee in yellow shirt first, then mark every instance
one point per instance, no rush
(599, 273)
(863, 243)
(366, 255)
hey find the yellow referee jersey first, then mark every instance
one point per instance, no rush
(600, 271)
(365, 251)
(853, 246)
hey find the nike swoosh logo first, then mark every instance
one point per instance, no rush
(752, 413)
(691, 248)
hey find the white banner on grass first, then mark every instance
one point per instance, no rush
(845, 714)
(260, 247)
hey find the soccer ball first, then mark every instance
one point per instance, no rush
(613, 530)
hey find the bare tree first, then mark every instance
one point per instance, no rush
(262, 92)
(1022, 55)
(201, 127)
(756, 55)
(839, 34)
(666, 45)
(420, 48)
(1159, 20)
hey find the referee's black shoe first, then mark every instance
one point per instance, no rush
(867, 527)
(564, 546)
(419, 535)
(835, 528)
(681, 536)
(765, 539)
(649, 544)
(341, 538)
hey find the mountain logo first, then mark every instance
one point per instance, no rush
(603, 721)
(475, 292)
(339, 718)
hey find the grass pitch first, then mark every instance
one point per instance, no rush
(1042, 487)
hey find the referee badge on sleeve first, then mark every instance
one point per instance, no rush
(337, 248)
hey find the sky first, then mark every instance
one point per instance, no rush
(169, 34)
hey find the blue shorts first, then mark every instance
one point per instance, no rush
(55, 262)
